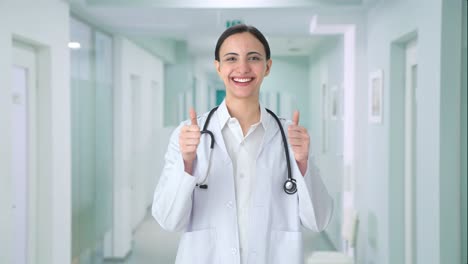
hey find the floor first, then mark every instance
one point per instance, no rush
(153, 245)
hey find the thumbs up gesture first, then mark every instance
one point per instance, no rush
(189, 138)
(299, 139)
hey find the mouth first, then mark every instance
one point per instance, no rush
(242, 81)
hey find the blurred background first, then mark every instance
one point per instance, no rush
(92, 89)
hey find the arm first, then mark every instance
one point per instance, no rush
(315, 204)
(172, 202)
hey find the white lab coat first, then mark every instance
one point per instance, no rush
(208, 217)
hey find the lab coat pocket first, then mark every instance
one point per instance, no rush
(197, 247)
(285, 248)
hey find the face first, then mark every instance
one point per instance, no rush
(242, 66)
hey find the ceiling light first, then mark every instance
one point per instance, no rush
(74, 45)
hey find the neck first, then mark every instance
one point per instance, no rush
(247, 112)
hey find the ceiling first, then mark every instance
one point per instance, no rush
(198, 23)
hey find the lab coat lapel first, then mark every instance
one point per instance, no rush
(219, 140)
(271, 130)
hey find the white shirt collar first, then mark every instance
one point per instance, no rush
(224, 116)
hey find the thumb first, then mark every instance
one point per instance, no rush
(295, 119)
(193, 117)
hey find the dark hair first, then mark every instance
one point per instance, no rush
(241, 28)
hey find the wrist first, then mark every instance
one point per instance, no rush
(302, 164)
(188, 167)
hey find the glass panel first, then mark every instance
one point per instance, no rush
(92, 138)
(82, 156)
(103, 134)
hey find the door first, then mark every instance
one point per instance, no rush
(23, 124)
(411, 73)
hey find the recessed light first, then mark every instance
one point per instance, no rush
(74, 45)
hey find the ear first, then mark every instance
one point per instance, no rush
(268, 67)
(217, 66)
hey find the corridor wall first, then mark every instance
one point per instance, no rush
(436, 194)
(289, 77)
(463, 135)
(138, 110)
(326, 130)
(20, 22)
(179, 77)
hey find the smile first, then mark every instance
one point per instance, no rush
(242, 80)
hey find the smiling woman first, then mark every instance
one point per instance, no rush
(246, 176)
(102, 141)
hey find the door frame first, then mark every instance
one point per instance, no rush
(410, 150)
(26, 56)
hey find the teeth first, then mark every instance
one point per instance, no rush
(243, 80)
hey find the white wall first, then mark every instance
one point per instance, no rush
(463, 136)
(132, 60)
(289, 75)
(327, 67)
(43, 25)
(202, 65)
(389, 22)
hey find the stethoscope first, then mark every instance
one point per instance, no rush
(290, 186)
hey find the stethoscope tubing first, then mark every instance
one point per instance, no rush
(289, 186)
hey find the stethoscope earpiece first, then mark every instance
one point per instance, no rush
(290, 186)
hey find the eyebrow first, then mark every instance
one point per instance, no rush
(235, 54)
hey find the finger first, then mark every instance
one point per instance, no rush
(295, 119)
(191, 141)
(193, 128)
(298, 142)
(296, 136)
(190, 149)
(193, 117)
(190, 136)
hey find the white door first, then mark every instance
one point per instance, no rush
(23, 99)
(411, 73)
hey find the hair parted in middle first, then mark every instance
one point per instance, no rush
(241, 28)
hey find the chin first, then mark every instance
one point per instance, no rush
(244, 95)
(240, 93)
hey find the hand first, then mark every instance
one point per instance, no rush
(299, 139)
(189, 138)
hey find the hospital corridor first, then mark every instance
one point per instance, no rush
(96, 95)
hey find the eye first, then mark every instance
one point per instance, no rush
(230, 59)
(255, 58)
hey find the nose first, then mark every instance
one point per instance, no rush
(243, 66)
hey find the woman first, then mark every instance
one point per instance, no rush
(232, 201)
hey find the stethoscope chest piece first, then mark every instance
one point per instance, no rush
(290, 186)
